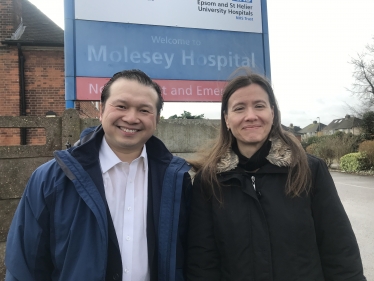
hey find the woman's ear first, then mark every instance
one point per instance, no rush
(226, 121)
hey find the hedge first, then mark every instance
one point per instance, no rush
(354, 162)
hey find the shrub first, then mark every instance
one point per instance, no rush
(323, 150)
(311, 149)
(343, 144)
(367, 147)
(325, 153)
(332, 147)
(354, 162)
(309, 141)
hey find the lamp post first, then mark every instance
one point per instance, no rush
(319, 122)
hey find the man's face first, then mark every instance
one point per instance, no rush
(129, 116)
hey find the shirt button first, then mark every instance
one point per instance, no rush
(128, 238)
(129, 209)
(116, 276)
(126, 270)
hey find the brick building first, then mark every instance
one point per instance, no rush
(31, 70)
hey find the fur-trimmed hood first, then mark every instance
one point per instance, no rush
(279, 155)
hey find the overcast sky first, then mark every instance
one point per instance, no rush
(311, 44)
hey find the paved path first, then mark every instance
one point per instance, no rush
(357, 196)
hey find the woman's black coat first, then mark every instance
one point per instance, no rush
(270, 236)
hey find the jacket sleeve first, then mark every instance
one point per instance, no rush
(203, 261)
(27, 249)
(339, 252)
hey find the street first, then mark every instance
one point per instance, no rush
(357, 195)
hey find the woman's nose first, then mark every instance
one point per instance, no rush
(250, 114)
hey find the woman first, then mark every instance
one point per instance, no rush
(262, 209)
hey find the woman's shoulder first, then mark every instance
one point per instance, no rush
(316, 163)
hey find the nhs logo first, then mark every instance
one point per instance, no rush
(246, 1)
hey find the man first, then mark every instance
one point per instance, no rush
(114, 206)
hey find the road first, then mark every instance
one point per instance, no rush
(357, 195)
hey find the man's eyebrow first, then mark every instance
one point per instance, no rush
(146, 105)
(122, 101)
(119, 100)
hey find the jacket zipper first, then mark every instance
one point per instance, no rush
(258, 193)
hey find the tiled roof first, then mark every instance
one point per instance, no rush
(39, 29)
(348, 122)
(312, 128)
(294, 129)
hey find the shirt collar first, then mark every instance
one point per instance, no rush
(108, 159)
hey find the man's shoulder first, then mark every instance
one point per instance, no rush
(45, 178)
(46, 169)
(157, 150)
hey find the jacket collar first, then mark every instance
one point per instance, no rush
(279, 155)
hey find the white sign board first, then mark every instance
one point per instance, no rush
(231, 15)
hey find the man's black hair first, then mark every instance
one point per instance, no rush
(135, 75)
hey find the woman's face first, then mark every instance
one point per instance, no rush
(249, 117)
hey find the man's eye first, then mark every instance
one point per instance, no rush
(121, 106)
(238, 108)
(144, 110)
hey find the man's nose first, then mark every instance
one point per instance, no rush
(131, 116)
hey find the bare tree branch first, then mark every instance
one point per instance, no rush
(363, 73)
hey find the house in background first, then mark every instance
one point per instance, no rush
(348, 124)
(312, 130)
(294, 130)
(32, 70)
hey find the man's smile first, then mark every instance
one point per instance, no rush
(127, 130)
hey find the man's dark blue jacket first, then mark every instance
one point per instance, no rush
(62, 229)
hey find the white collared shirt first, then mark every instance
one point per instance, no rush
(126, 191)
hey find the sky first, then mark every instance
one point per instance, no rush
(311, 45)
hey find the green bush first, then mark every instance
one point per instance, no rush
(354, 162)
(367, 147)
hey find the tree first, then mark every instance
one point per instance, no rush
(367, 125)
(363, 73)
(187, 115)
